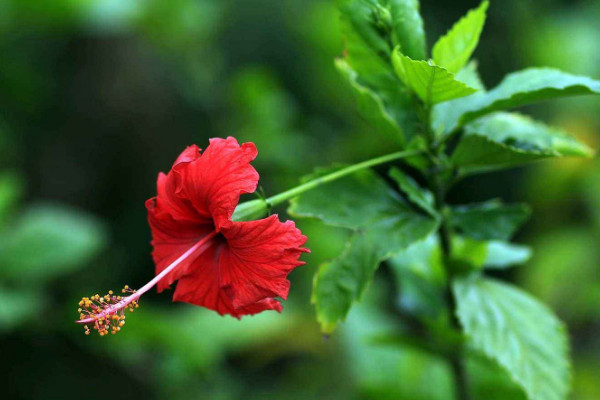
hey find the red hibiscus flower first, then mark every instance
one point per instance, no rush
(236, 268)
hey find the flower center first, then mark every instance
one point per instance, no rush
(107, 313)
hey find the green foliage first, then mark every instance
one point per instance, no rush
(502, 255)
(10, 191)
(503, 140)
(262, 71)
(453, 50)
(442, 107)
(377, 365)
(431, 83)
(517, 89)
(49, 240)
(420, 278)
(367, 51)
(383, 225)
(517, 331)
(422, 198)
(370, 104)
(490, 254)
(407, 27)
(489, 220)
(17, 306)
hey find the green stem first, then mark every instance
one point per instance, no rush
(455, 358)
(439, 187)
(258, 208)
(289, 194)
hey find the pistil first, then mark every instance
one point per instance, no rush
(107, 313)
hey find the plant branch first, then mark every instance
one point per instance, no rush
(291, 193)
(439, 187)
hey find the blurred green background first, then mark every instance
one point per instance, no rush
(98, 96)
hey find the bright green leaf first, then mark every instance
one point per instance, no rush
(49, 240)
(524, 133)
(454, 49)
(431, 83)
(469, 74)
(423, 198)
(517, 331)
(444, 114)
(503, 140)
(469, 251)
(476, 154)
(489, 220)
(383, 226)
(517, 89)
(502, 255)
(492, 254)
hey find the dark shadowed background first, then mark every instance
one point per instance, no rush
(98, 96)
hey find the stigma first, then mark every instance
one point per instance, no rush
(106, 314)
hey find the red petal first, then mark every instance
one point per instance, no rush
(259, 306)
(261, 255)
(202, 287)
(175, 224)
(170, 239)
(214, 182)
(243, 275)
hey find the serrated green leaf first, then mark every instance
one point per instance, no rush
(370, 105)
(431, 83)
(517, 89)
(490, 381)
(524, 133)
(48, 240)
(383, 225)
(454, 49)
(517, 331)
(489, 220)
(469, 74)
(422, 198)
(444, 114)
(476, 154)
(341, 282)
(504, 140)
